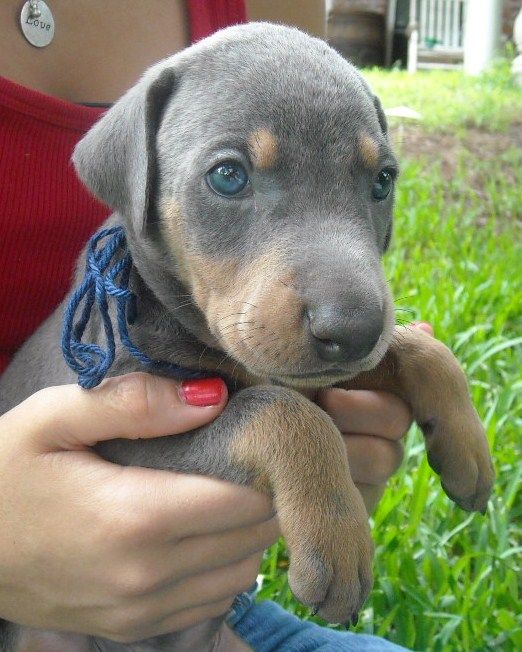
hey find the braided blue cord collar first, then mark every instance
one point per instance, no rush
(106, 276)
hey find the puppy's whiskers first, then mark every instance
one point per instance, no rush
(184, 305)
(233, 314)
(238, 323)
(201, 357)
(259, 356)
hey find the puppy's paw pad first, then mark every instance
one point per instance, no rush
(461, 457)
(336, 582)
(346, 596)
(309, 577)
(476, 500)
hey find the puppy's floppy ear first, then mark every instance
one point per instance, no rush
(378, 107)
(380, 114)
(116, 159)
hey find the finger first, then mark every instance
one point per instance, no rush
(188, 617)
(212, 586)
(184, 619)
(129, 631)
(133, 406)
(373, 460)
(363, 411)
(200, 554)
(423, 326)
(195, 591)
(164, 506)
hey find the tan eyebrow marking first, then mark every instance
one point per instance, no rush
(263, 146)
(369, 150)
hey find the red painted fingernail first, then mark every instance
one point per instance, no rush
(202, 392)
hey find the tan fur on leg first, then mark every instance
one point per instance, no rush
(425, 374)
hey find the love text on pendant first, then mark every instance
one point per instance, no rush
(38, 24)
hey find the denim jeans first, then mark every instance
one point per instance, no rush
(267, 627)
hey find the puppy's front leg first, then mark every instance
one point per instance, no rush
(425, 374)
(280, 443)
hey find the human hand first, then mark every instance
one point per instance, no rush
(120, 552)
(372, 424)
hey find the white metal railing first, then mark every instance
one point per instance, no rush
(441, 23)
(436, 25)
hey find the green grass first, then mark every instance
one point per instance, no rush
(447, 581)
(451, 99)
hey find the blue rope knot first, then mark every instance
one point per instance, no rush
(107, 275)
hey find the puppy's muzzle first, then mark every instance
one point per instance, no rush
(344, 335)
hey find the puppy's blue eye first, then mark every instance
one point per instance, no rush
(228, 178)
(382, 185)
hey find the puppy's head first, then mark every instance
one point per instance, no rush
(254, 169)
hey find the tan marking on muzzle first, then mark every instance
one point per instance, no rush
(369, 151)
(221, 285)
(263, 146)
(256, 314)
(233, 293)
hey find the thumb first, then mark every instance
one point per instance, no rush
(134, 406)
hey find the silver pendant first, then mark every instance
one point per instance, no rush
(37, 23)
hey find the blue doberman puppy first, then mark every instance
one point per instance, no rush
(253, 174)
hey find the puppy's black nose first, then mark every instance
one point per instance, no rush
(344, 335)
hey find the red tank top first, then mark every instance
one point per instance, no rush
(46, 215)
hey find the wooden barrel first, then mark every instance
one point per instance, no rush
(357, 34)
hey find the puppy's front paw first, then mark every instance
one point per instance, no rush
(331, 572)
(458, 451)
